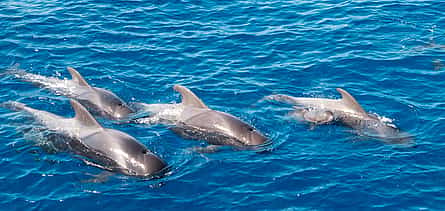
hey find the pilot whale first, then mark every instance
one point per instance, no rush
(105, 148)
(192, 119)
(97, 100)
(346, 111)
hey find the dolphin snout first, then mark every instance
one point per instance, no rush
(256, 138)
(153, 164)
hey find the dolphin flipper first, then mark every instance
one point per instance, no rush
(189, 98)
(98, 178)
(350, 101)
(318, 116)
(76, 77)
(206, 149)
(83, 116)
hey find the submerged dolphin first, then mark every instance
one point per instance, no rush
(99, 101)
(192, 119)
(105, 148)
(346, 111)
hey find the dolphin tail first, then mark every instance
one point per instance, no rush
(17, 106)
(13, 105)
(15, 71)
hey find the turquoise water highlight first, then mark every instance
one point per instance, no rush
(388, 54)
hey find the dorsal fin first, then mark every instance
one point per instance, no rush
(76, 77)
(350, 101)
(83, 116)
(188, 97)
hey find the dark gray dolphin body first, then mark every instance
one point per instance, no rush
(346, 111)
(99, 101)
(192, 119)
(102, 147)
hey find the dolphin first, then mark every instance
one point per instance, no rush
(346, 111)
(192, 119)
(105, 148)
(99, 101)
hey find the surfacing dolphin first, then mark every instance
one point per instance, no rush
(97, 100)
(192, 119)
(105, 148)
(346, 111)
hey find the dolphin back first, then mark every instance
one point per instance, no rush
(303, 101)
(219, 128)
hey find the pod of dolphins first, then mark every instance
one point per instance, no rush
(117, 151)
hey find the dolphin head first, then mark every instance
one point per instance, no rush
(151, 164)
(143, 163)
(122, 153)
(253, 136)
(134, 157)
(112, 105)
(240, 130)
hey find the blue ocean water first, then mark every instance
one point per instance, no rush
(389, 54)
